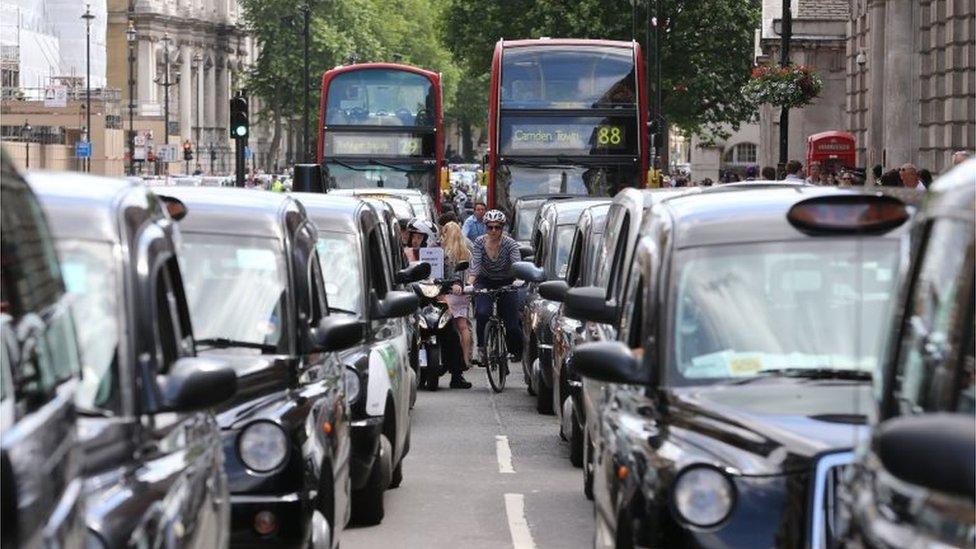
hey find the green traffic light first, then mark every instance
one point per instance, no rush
(240, 131)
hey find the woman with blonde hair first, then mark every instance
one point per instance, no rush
(456, 250)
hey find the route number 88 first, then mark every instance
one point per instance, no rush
(609, 135)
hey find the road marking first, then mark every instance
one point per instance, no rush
(504, 453)
(517, 525)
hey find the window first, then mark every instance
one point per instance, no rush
(632, 314)
(568, 77)
(31, 277)
(377, 267)
(564, 241)
(340, 257)
(575, 262)
(615, 221)
(743, 153)
(922, 375)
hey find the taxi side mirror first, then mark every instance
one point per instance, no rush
(934, 451)
(337, 333)
(609, 361)
(528, 272)
(590, 303)
(195, 383)
(413, 273)
(554, 290)
(395, 305)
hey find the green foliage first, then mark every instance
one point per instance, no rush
(792, 86)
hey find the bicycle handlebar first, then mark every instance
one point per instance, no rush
(491, 291)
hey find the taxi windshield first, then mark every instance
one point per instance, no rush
(342, 269)
(564, 242)
(751, 310)
(90, 279)
(525, 219)
(252, 270)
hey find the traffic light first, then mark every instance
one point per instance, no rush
(238, 118)
(187, 151)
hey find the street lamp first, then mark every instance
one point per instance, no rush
(26, 131)
(88, 16)
(130, 38)
(166, 40)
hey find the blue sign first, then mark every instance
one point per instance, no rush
(247, 153)
(82, 149)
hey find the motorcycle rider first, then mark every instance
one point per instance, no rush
(423, 234)
(493, 255)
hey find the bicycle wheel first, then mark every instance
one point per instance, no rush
(495, 349)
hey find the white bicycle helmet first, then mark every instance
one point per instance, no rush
(424, 227)
(494, 216)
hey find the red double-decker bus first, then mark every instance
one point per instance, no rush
(380, 127)
(566, 116)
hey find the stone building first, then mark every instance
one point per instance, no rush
(203, 46)
(911, 80)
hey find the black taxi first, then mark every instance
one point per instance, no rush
(257, 299)
(42, 499)
(357, 261)
(551, 242)
(150, 441)
(581, 267)
(912, 484)
(750, 323)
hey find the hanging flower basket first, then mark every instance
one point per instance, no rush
(792, 86)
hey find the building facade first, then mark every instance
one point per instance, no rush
(911, 80)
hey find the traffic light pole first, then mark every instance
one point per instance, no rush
(239, 162)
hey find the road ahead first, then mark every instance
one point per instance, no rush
(454, 493)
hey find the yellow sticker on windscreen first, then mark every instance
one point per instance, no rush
(744, 366)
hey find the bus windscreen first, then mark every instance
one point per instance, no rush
(564, 77)
(380, 97)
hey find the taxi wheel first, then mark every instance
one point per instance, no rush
(367, 503)
(576, 444)
(543, 402)
(397, 475)
(587, 465)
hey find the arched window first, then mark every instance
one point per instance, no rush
(742, 153)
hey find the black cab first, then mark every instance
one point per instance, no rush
(567, 332)
(551, 243)
(750, 323)
(41, 486)
(913, 483)
(257, 299)
(145, 428)
(355, 250)
(526, 210)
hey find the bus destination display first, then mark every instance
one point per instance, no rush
(566, 137)
(360, 144)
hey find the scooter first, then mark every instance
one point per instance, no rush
(440, 345)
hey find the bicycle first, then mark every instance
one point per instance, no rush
(495, 347)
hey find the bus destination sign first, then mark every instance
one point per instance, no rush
(361, 144)
(563, 137)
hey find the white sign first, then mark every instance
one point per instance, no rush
(139, 153)
(139, 140)
(435, 257)
(56, 96)
(166, 153)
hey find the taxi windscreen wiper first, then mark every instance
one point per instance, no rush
(819, 373)
(86, 411)
(343, 311)
(224, 342)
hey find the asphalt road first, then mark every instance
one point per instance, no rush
(453, 493)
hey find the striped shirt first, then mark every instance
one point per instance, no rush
(499, 268)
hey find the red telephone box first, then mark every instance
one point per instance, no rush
(833, 150)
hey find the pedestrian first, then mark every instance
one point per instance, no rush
(751, 173)
(198, 170)
(794, 171)
(846, 179)
(816, 176)
(877, 171)
(925, 177)
(458, 249)
(492, 258)
(445, 218)
(707, 182)
(890, 179)
(909, 177)
(959, 157)
(769, 173)
(277, 186)
(474, 226)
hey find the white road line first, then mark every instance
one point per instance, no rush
(504, 454)
(517, 525)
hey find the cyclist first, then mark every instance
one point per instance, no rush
(492, 257)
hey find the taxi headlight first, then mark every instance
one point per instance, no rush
(703, 496)
(443, 320)
(262, 446)
(350, 379)
(430, 291)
